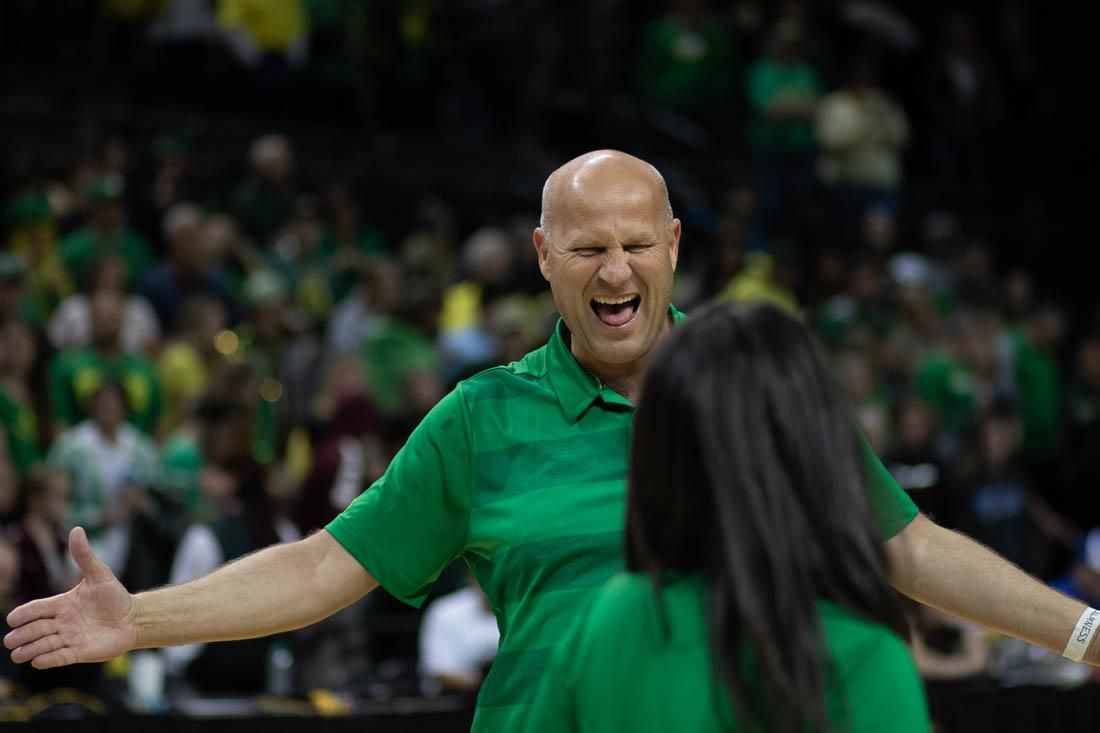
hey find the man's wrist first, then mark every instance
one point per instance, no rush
(1082, 640)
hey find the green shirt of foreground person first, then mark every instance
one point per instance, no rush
(618, 671)
(608, 246)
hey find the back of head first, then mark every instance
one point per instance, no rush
(746, 467)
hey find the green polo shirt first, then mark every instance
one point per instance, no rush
(521, 471)
(633, 664)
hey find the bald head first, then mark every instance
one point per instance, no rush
(582, 178)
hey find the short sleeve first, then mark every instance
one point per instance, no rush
(891, 507)
(408, 526)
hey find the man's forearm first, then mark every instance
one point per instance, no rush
(951, 572)
(277, 589)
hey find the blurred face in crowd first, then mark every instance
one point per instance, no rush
(110, 274)
(9, 571)
(109, 216)
(182, 229)
(107, 308)
(9, 488)
(219, 232)
(608, 246)
(19, 349)
(205, 319)
(11, 292)
(108, 409)
(1088, 362)
(272, 159)
(1000, 436)
(51, 502)
(916, 424)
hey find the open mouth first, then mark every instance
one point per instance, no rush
(616, 311)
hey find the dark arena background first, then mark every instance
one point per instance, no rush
(291, 226)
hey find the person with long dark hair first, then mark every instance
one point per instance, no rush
(756, 596)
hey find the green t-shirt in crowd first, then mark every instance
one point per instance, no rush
(770, 82)
(76, 375)
(81, 250)
(21, 431)
(521, 471)
(949, 386)
(621, 669)
(1040, 391)
(691, 69)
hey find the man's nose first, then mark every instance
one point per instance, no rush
(616, 268)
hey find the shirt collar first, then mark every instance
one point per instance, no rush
(575, 388)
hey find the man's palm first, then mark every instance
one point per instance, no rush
(92, 622)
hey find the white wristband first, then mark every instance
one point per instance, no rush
(1082, 634)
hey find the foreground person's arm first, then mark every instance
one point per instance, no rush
(279, 588)
(951, 572)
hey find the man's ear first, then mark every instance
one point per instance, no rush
(674, 245)
(542, 246)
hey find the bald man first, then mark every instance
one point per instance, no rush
(521, 472)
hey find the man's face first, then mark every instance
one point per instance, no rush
(610, 258)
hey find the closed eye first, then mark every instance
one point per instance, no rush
(588, 251)
(635, 248)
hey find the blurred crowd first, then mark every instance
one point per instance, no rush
(195, 363)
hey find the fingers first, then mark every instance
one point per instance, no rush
(42, 608)
(30, 632)
(35, 649)
(58, 658)
(79, 547)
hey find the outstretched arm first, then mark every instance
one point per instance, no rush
(951, 572)
(280, 588)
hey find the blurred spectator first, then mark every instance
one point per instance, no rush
(861, 132)
(401, 345)
(345, 462)
(71, 325)
(188, 363)
(284, 357)
(863, 311)
(687, 61)
(298, 256)
(188, 270)
(783, 91)
(1000, 501)
(110, 466)
(464, 335)
(40, 536)
(76, 375)
(1036, 384)
(9, 490)
(458, 639)
(14, 301)
(945, 378)
(915, 464)
(106, 233)
(237, 486)
(264, 202)
(377, 295)
(33, 240)
(24, 409)
(347, 240)
(767, 276)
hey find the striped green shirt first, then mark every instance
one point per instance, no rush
(521, 471)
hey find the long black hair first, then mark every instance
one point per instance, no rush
(746, 467)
